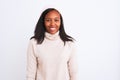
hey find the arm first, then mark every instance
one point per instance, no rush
(73, 64)
(31, 62)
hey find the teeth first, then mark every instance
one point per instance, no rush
(52, 28)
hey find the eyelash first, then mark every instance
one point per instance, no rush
(56, 20)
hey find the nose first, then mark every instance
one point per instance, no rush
(52, 22)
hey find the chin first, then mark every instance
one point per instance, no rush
(53, 32)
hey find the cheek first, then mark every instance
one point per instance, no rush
(59, 25)
(46, 23)
(46, 27)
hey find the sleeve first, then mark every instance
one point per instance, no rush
(31, 62)
(73, 64)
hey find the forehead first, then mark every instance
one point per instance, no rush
(53, 13)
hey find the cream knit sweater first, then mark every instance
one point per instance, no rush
(51, 60)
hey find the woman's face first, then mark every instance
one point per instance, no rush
(52, 22)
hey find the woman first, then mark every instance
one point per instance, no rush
(51, 52)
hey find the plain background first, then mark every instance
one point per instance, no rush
(95, 24)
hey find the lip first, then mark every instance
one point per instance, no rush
(52, 28)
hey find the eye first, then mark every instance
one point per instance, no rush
(47, 20)
(57, 20)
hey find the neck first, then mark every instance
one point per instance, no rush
(52, 36)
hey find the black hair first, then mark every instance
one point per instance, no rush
(40, 30)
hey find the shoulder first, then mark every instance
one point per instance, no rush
(32, 41)
(71, 44)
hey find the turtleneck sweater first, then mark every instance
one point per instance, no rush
(51, 60)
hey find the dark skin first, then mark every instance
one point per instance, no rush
(52, 22)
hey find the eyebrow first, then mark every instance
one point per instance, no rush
(53, 18)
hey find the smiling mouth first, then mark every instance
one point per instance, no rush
(52, 28)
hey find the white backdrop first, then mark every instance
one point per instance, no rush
(95, 24)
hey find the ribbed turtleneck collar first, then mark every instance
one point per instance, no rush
(52, 36)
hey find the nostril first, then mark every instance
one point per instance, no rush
(52, 23)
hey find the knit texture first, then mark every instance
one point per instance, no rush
(51, 60)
